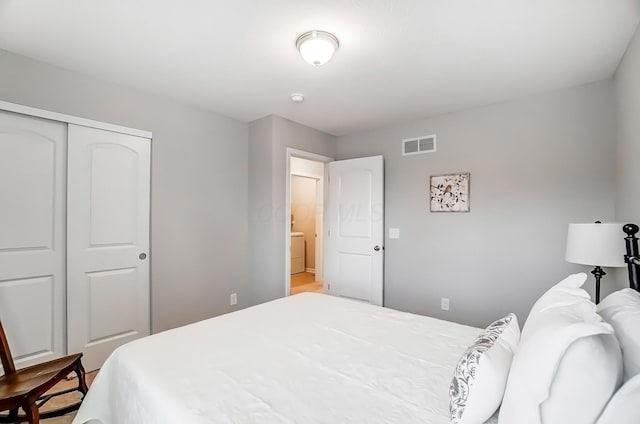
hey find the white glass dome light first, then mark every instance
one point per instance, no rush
(317, 47)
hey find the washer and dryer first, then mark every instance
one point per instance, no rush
(297, 253)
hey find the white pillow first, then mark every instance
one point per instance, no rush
(480, 377)
(589, 373)
(621, 309)
(566, 292)
(539, 376)
(624, 406)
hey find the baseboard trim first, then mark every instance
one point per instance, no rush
(311, 270)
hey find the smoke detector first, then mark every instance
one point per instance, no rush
(297, 97)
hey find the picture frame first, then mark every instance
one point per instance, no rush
(449, 192)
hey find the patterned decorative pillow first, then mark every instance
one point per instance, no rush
(480, 377)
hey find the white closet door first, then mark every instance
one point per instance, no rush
(108, 241)
(32, 236)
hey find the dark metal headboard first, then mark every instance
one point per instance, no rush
(632, 258)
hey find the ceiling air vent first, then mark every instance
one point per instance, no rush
(417, 145)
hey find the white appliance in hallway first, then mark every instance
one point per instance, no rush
(297, 253)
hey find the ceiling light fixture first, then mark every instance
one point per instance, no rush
(317, 47)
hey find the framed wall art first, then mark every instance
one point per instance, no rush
(449, 193)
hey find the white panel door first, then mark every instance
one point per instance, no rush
(32, 236)
(355, 229)
(107, 241)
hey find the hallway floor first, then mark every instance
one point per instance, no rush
(305, 282)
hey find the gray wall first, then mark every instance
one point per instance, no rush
(199, 235)
(262, 269)
(536, 164)
(627, 89)
(269, 139)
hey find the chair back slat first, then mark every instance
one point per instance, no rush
(5, 353)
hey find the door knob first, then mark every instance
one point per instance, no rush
(376, 248)
(142, 256)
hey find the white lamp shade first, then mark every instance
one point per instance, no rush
(596, 244)
(317, 47)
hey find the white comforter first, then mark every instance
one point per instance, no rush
(308, 358)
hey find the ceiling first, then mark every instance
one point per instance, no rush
(398, 60)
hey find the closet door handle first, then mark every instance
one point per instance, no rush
(376, 248)
(142, 256)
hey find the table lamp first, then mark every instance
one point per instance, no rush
(598, 245)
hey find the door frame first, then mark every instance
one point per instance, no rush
(291, 152)
(70, 119)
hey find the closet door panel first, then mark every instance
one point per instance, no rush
(109, 225)
(32, 236)
(34, 336)
(28, 176)
(110, 288)
(108, 241)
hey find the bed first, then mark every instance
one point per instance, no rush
(322, 359)
(308, 358)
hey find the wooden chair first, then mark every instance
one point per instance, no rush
(26, 388)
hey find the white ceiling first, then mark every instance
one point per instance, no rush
(398, 60)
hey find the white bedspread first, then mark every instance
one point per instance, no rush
(308, 358)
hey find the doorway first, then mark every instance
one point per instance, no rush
(304, 213)
(305, 192)
(352, 238)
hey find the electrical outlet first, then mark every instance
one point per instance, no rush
(444, 303)
(394, 233)
(233, 299)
